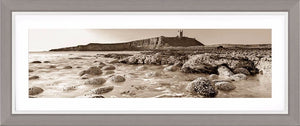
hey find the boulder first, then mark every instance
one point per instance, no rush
(102, 90)
(190, 67)
(224, 72)
(101, 64)
(171, 68)
(109, 72)
(85, 76)
(93, 71)
(34, 77)
(52, 66)
(214, 60)
(95, 81)
(238, 77)
(35, 90)
(241, 70)
(110, 67)
(118, 78)
(202, 86)
(36, 62)
(68, 67)
(225, 86)
(247, 64)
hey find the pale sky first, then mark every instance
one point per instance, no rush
(46, 39)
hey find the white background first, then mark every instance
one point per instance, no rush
(23, 21)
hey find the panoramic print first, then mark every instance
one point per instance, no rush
(150, 63)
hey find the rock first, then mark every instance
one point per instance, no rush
(94, 71)
(46, 61)
(213, 76)
(69, 88)
(110, 67)
(225, 86)
(241, 70)
(118, 78)
(91, 71)
(67, 67)
(224, 72)
(203, 87)
(95, 81)
(170, 68)
(102, 64)
(114, 61)
(109, 72)
(35, 90)
(102, 90)
(247, 64)
(85, 76)
(140, 68)
(52, 66)
(34, 77)
(238, 77)
(232, 61)
(153, 74)
(98, 96)
(198, 68)
(36, 62)
(81, 73)
(171, 60)
(30, 70)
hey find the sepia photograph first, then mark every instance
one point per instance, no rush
(150, 63)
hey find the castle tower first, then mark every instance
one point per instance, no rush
(180, 33)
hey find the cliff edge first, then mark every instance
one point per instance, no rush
(137, 45)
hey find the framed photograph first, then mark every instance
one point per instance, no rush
(145, 64)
